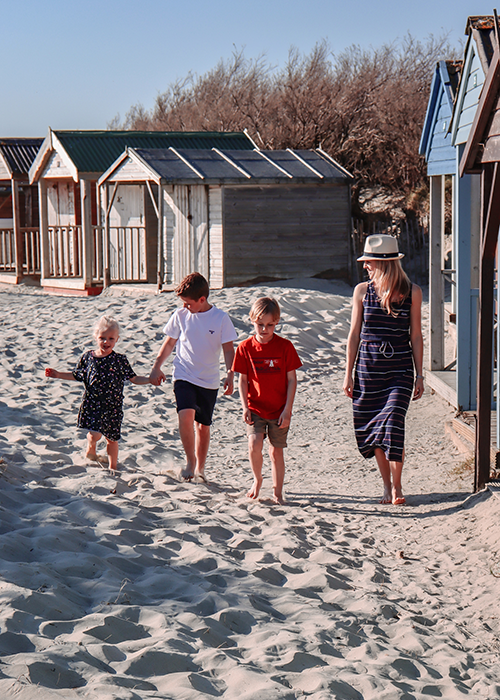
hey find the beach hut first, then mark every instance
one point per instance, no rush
(459, 386)
(19, 230)
(66, 170)
(235, 216)
(481, 156)
(440, 156)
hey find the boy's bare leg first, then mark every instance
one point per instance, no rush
(255, 444)
(112, 450)
(186, 431)
(202, 442)
(277, 456)
(92, 440)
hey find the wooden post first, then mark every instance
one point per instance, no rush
(18, 236)
(463, 294)
(160, 262)
(44, 230)
(87, 242)
(491, 219)
(436, 281)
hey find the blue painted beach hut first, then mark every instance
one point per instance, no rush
(439, 153)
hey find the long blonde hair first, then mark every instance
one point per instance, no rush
(391, 282)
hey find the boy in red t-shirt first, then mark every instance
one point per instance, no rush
(266, 364)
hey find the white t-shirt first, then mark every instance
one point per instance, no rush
(199, 341)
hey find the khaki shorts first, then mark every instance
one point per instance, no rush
(276, 435)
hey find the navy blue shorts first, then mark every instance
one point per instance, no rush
(202, 400)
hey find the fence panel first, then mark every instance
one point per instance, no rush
(65, 251)
(7, 251)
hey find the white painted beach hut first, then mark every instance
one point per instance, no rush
(19, 230)
(66, 171)
(235, 216)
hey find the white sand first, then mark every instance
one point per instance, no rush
(142, 587)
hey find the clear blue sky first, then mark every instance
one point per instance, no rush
(74, 64)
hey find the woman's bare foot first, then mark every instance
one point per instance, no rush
(255, 490)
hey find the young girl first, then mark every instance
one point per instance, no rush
(384, 347)
(104, 373)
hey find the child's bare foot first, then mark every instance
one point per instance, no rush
(92, 456)
(255, 490)
(201, 476)
(387, 497)
(279, 500)
(187, 473)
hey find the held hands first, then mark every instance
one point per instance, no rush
(419, 388)
(157, 377)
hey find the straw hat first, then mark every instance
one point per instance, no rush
(381, 247)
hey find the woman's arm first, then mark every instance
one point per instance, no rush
(417, 340)
(354, 336)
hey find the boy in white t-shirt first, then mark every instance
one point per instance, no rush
(198, 331)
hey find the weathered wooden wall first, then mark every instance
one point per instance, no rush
(278, 232)
(215, 235)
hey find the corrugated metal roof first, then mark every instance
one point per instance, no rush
(20, 153)
(95, 151)
(237, 166)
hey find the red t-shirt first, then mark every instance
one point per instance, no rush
(266, 366)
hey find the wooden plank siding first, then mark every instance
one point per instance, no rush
(286, 231)
(441, 160)
(215, 236)
(169, 219)
(470, 101)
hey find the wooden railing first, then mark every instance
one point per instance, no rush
(127, 254)
(31, 241)
(7, 250)
(65, 251)
(30, 263)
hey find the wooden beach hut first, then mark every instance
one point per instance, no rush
(235, 216)
(66, 170)
(19, 230)
(459, 386)
(440, 156)
(481, 156)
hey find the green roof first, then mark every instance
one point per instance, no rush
(95, 151)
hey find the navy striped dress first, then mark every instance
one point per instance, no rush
(383, 381)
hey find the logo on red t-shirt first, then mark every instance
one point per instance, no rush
(267, 366)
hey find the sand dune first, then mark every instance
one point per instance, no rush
(138, 586)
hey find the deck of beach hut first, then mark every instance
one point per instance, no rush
(19, 229)
(66, 170)
(235, 216)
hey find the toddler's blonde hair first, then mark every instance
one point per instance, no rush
(106, 322)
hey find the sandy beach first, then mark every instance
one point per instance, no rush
(138, 586)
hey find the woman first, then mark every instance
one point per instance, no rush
(384, 346)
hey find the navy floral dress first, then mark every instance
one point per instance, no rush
(104, 377)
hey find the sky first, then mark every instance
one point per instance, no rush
(72, 64)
